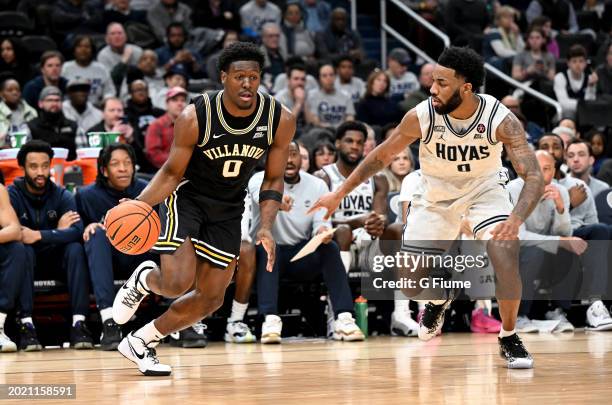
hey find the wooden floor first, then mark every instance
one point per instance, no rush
(453, 369)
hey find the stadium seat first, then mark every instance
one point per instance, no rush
(604, 207)
(588, 20)
(594, 112)
(566, 41)
(37, 44)
(14, 24)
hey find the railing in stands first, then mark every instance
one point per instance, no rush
(386, 29)
(353, 15)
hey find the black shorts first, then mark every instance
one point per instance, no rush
(213, 226)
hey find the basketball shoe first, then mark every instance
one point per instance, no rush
(111, 335)
(238, 332)
(134, 349)
(6, 344)
(346, 329)
(512, 350)
(28, 341)
(80, 337)
(558, 315)
(402, 324)
(433, 318)
(598, 317)
(191, 337)
(271, 329)
(131, 294)
(483, 323)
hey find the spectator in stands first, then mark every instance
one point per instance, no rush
(14, 111)
(160, 133)
(175, 77)
(504, 41)
(215, 14)
(78, 108)
(534, 131)
(53, 127)
(560, 12)
(535, 62)
(305, 154)
(375, 108)
(338, 39)
(146, 70)
(255, 13)
(466, 21)
(165, 12)
(15, 61)
(294, 95)
(50, 69)
(346, 80)
(51, 229)
(317, 14)
(545, 24)
(275, 53)
(300, 40)
(328, 107)
(604, 75)
(117, 50)
(281, 80)
(16, 280)
(119, 11)
(598, 148)
(211, 62)
(115, 180)
(175, 52)
(401, 166)
(323, 154)
(402, 80)
(292, 229)
(413, 98)
(566, 134)
(576, 83)
(141, 113)
(69, 17)
(579, 158)
(84, 67)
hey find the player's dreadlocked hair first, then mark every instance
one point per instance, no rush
(240, 51)
(466, 63)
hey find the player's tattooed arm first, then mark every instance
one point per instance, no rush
(523, 159)
(170, 174)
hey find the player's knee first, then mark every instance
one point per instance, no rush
(177, 287)
(344, 236)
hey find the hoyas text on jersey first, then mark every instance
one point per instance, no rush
(358, 203)
(463, 153)
(226, 151)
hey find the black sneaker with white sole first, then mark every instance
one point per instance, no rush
(111, 335)
(191, 337)
(512, 350)
(80, 337)
(433, 318)
(28, 340)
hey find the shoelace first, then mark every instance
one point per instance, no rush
(240, 327)
(132, 297)
(199, 328)
(152, 354)
(515, 347)
(431, 315)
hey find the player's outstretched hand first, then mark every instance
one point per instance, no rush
(506, 230)
(264, 237)
(329, 202)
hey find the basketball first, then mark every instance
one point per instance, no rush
(132, 227)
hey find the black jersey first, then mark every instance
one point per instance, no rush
(229, 147)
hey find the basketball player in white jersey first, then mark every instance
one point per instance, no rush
(462, 134)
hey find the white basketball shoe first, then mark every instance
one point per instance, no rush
(131, 294)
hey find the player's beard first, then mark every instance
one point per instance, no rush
(33, 184)
(451, 105)
(347, 160)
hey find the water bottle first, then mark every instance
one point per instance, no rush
(361, 314)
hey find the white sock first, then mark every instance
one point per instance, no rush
(27, 320)
(238, 311)
(402, 306)
(106, 314)
(421, 305)
(504, 333)
(2, 319)
(346, 259)
(142, 285)
(149, 333)
(77, 318)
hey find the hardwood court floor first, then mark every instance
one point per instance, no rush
(453, 369)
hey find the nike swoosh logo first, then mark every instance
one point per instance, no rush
(218, 136)
(112, 237)
(140, 356)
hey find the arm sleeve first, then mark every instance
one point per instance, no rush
(591, 214)
(63, 236)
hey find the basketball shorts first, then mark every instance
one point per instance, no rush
(440, 222)
(213, 226)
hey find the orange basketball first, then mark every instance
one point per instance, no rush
(132, 227)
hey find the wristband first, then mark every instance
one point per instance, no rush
(270, 195)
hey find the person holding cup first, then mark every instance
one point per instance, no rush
(14, 114)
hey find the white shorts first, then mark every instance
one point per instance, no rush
(483, 208)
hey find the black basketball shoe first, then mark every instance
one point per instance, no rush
(80, 336)
(111, 335)
(512, 350)
(28, 340)
(191, 337)
(433, 318)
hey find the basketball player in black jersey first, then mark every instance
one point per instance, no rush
(218, 141)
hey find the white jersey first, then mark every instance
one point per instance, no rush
(456, 156)
(357, 202)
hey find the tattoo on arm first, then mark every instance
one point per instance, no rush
(523, 159)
